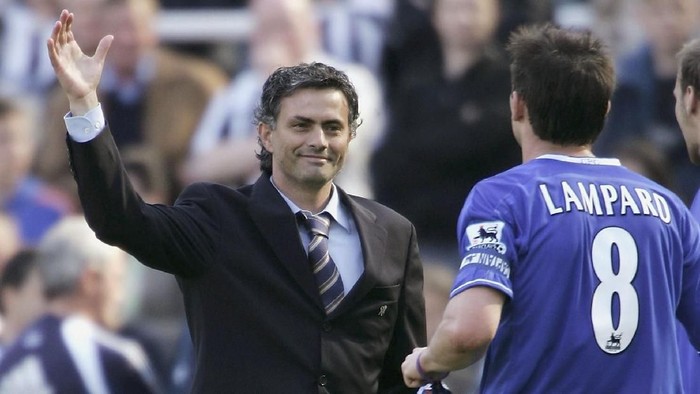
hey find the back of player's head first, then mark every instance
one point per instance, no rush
(689, 65)
(566, 78)
(66, 252)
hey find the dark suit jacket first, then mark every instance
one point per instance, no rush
(252, 305)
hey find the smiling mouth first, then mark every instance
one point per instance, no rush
(316, 158)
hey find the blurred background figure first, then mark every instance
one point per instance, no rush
(88, 27)
(33, 205)
(10, 242)
(21, 296)
(71, 348)
(449, 123)
(153, 95)
(438, 280)
(643, 157)
(24, 66)
(643, 103)
(285, 32)
(354, 30)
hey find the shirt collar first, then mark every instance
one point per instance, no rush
(582, 160)
(333, 208)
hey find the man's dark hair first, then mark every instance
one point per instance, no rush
(16, 271)
(689, 65)
(285, 81)
(566, 77)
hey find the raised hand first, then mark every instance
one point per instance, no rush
(77, 73)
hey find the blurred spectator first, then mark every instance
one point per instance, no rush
(437, 285)
(354, 30)
(643, 103)
(286, 32)
(88, 26)
(410, 48)
(34, 206)
(70, 348)
(411, 45)
(24, 66)
(642, 157)
(614, 22)
(10, 242)
(153, 95)
(450, 127)
(515, 13)
(21, 296)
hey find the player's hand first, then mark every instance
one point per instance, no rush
(77, 73)
(411, 376)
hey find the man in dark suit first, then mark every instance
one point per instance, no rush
(259, 319)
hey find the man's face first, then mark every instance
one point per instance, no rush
(689, 128)
(310, 140)
(466, 23)
(134, 35)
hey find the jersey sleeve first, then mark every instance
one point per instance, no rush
(486, 243)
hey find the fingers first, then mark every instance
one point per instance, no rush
(103, 48)
(62, 33)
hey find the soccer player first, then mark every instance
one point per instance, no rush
(687, 94)
(574, 268)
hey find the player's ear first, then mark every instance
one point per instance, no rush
(518, 109)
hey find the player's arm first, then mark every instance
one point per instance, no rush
(468, 326)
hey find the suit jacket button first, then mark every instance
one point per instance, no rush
(326, 327)
(322, 380)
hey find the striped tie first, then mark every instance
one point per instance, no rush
(330, 285)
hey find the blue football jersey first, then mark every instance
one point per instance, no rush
(596, 262)
(73, 355)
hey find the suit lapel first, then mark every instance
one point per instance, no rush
(278, 225)
(373, 240)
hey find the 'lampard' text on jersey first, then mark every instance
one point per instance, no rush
(604, 200)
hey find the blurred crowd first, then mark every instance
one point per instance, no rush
(433, 83)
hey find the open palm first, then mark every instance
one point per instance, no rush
(77, 73)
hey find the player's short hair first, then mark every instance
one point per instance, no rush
(566, 77)
(285, 81)
(689, 64)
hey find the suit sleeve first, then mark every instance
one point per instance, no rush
(172, 239)
(410, 331)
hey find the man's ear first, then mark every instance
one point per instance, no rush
(518, 110)
(264, 133)
(690, 100)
